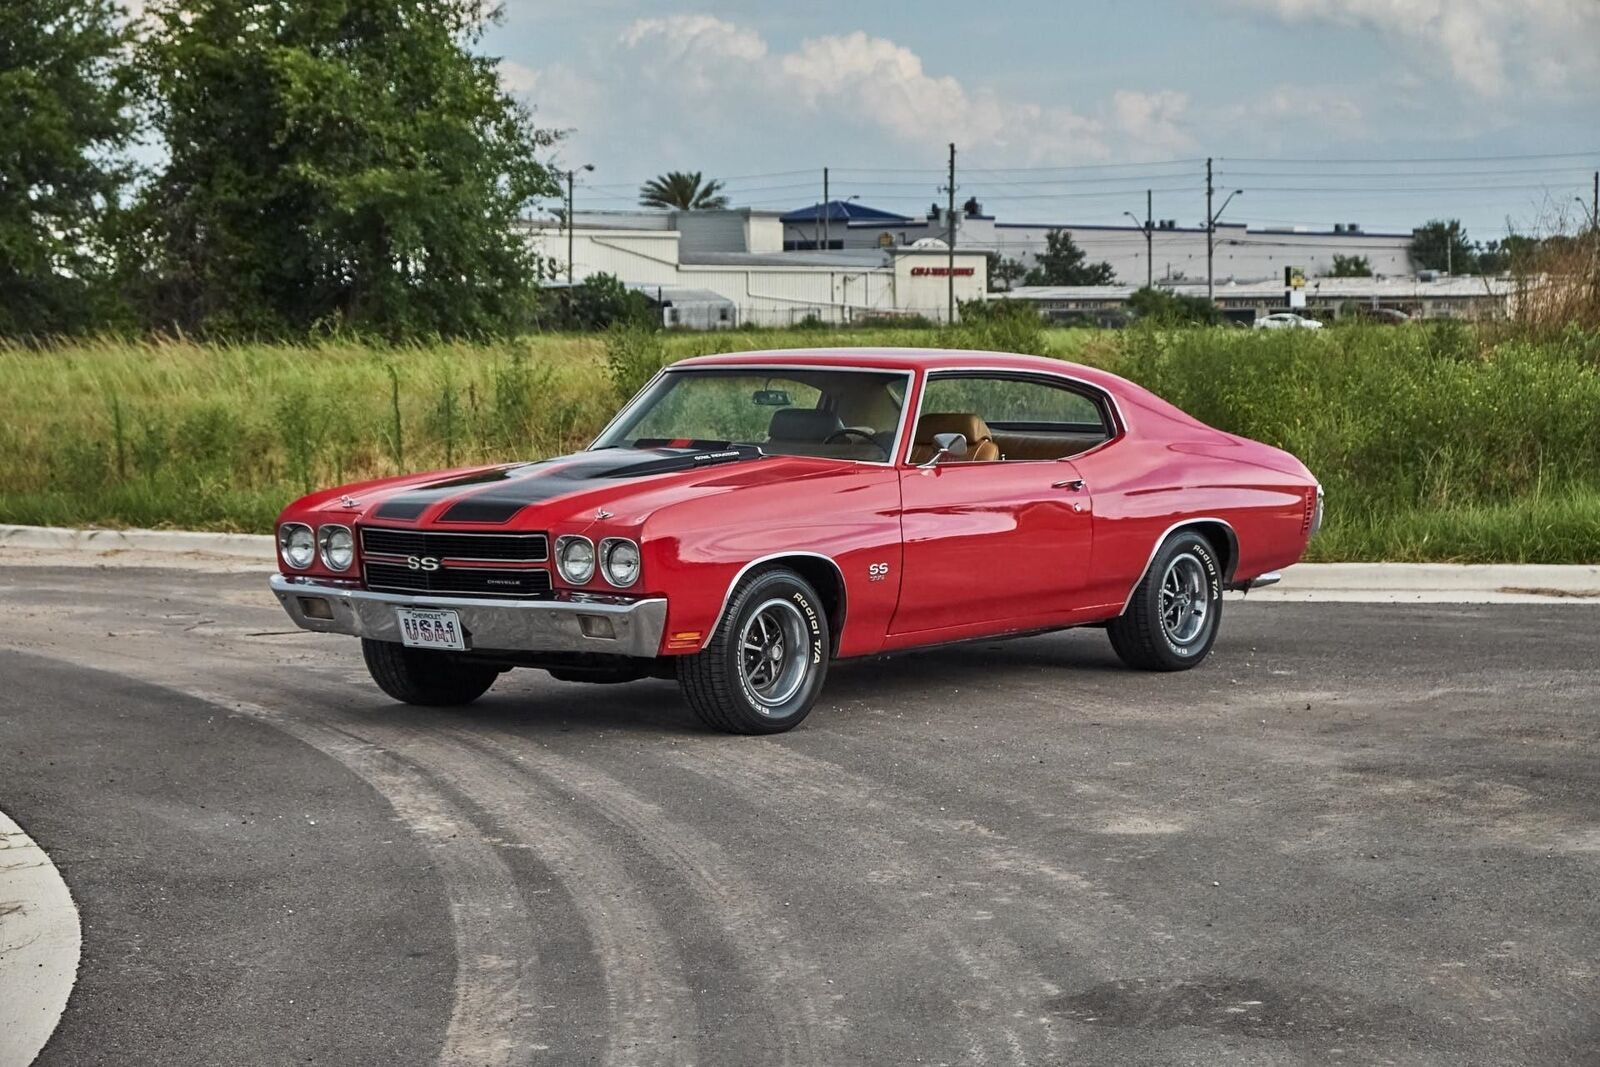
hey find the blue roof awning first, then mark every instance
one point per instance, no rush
(843, 211)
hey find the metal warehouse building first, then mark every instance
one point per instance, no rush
(1176, 253)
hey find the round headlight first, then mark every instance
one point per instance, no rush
(575, 558)
(296, 545)
(338, 547)
(619, 559)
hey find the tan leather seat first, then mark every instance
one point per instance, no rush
(980, 442)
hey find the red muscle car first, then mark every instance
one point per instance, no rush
(748, 518)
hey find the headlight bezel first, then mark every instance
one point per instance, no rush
(610, 544)
(286, 534)
(562, 544)
(325, 535)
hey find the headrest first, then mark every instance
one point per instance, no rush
(803, 424)
(972, 427)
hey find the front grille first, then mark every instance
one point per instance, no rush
(509, 548)
(496, 581)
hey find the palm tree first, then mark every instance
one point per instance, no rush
(684, 191)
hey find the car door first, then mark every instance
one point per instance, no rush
(988, 542)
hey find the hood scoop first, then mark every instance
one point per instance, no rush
(510, 489)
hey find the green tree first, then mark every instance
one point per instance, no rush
(1004, 273)
(1063, 263)
(684, 190)
(65, 98)
(1162, 307)
(1351, 266)
(346, 164)
(1442, 245)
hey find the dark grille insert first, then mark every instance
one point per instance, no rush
(499, 581)
(518, 548)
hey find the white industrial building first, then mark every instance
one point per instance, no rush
(1425, 296)
(1176, 253)
(739, 255)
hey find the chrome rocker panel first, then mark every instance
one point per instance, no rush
(500, 625)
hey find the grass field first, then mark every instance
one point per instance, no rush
(1435, 443)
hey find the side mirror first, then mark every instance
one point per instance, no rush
(953, 445)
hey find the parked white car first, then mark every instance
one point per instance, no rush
(1286, 320)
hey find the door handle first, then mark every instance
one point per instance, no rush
(1075, 484)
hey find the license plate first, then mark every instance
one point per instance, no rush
(430, 628)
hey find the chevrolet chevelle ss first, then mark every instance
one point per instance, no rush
(749, 518)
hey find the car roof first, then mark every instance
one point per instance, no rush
(905, 359)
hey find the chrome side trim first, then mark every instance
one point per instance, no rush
(900, 430)
(1233, 536)
(844, 593)
(498, 625)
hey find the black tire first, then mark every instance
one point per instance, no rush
(728, 697)
(431, 679)
(1143, 636)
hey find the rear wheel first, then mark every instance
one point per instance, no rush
(432, 679)
(1172, 619)
(766, 661)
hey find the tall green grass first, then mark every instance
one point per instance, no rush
(1434, 443)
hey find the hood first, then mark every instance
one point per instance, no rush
(567, 486)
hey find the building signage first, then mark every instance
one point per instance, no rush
(943, 272)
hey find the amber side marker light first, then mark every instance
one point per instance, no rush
(685, 639)
(316, 607)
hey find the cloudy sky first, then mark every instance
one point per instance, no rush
(1068, 111)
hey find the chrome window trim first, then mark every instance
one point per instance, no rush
(1118, 431)
(1168, 532)
(727, 597)
(908, 374)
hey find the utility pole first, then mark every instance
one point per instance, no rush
(824, 208)
(950, 240)
(1149, 242)
(1211, 233)
(1449, 249)
(1211, 239)
(570, 177)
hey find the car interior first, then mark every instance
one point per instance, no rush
(1009, 419)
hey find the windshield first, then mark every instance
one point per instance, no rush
(836, 414)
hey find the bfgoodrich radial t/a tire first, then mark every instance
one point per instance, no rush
(432, 679)
(766, 662)
(1172, 619)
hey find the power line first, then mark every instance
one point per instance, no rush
(1594, 154)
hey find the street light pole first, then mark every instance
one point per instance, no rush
(571, 175)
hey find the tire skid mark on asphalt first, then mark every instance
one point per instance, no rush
(651, 1017)
(796, 996)
(1001, 975)
(492, 1019)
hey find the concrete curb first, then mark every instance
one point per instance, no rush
(40, 943)
(61, 539)
(1378, 583)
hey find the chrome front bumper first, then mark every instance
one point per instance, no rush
(573, 625)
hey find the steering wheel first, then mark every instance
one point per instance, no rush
(851, 431)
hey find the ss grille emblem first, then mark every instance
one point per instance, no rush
(422, 563)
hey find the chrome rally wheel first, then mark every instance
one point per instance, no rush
(1172, 617)
(766, 661)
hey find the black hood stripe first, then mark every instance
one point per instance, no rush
(515, 488)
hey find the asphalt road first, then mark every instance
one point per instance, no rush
(1357, 834)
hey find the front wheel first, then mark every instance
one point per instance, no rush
(766, 661)
(1171, 620)
(432, 679)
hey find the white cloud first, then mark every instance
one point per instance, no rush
(1494, 47)
(1155, 120)
(866, 81)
